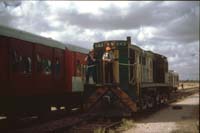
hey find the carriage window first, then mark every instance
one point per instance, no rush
(46, 63)
(21, 64)
(78, 68)
(83, 71)
(39, 63)
(57, 67)
(43, 65)
(26, 64)
(15, 61)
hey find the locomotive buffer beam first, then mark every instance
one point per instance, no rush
(100, 92)
(95, 97)
(125, 99)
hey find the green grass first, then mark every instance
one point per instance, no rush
(126, 124)
(99, 130)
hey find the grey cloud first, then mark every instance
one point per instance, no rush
(113, 17)
(6, 18)
(35, 18)
(176, 24)
(151, 14)
(178, 21)
(182, 57)
(32, 20)
(182, 29)
(11, 3)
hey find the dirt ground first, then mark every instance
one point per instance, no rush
(170, 120)
(188, 85)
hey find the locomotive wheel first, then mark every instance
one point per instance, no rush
(162, 99)
(166, 99)
(143, 105)
(150, 103)
(158, 99)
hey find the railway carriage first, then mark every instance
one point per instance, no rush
(37, 73)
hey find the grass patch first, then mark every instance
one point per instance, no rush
(99, 130)
(126, 124)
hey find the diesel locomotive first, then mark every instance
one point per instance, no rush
(141, 79)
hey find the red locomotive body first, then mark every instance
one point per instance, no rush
(37, 73)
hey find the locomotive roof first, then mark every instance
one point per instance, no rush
(137, 47)
(134, 46)
(111, 41)
(26, 36)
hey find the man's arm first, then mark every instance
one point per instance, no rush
(106, 58)
(86, 58)
(93, 59)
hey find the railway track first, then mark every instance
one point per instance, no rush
(183, 93)
(87, 122)
(22, 122)
(100, 125)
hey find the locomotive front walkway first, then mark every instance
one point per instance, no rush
(179, 117)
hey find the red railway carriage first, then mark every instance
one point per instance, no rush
(77, 69)
(37, 73)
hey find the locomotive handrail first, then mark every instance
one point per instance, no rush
(123, 64)
(118, 63)
(128, 64)
(91, 66)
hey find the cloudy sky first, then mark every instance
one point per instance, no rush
(169, 28)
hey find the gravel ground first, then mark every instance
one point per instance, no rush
(184, 119)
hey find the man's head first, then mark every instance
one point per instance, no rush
(91, 51)
(108, 48)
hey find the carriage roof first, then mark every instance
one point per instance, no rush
(26, 36)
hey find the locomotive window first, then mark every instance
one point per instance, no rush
(150, 63)
(143, 61)
(140, 60)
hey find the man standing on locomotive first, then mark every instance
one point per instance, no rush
(108, 59)
(91, 68)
